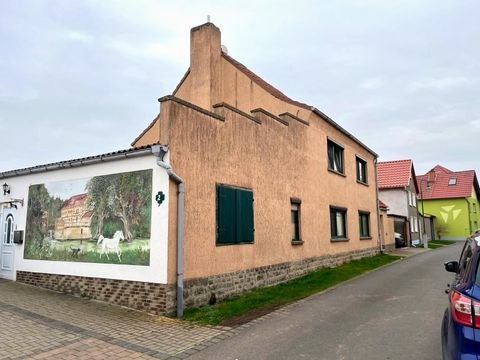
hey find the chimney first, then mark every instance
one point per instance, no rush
(431, 176)
(205, 65)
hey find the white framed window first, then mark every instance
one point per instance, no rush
(7, 237)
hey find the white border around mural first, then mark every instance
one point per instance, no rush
(156, 272)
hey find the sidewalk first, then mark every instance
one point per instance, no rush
(407, 251)
(41, 324)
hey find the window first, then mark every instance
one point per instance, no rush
(412, 226)
(335, 156)
(295, 216)
(234, 215)
(361, 170)
(414, 199)
(338, 223)
(8, 230)
(364, 222)
(415, 223)
(409, 194)
(474, 208)
(452, 181)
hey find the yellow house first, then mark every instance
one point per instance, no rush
(274, 188)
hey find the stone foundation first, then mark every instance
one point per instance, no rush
(149, 297)
(198, 291)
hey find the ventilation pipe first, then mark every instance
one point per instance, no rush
(160, 151)
(381, 244)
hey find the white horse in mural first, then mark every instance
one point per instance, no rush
(111, 245)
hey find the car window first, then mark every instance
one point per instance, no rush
(465, 260)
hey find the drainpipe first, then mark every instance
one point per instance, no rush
(160, 151)
(380, 235)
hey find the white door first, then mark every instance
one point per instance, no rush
(7, 247)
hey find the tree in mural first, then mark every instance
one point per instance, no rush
(39, 201)
(122, 197)
(97, 189)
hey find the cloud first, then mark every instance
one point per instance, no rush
(80, 36)
(372, 84)
(443, 83)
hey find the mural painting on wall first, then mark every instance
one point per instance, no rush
(102, 219)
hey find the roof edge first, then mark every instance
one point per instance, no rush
(342, 130)
(111, 156)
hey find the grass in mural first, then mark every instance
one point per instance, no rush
(136, 252)
(435, 244)
(261, 301)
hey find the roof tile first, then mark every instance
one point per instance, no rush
(394, 174)
(440, 189)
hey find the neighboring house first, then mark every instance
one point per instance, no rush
(261, 189)
(131, 273)
(398, 188)
(452, 197)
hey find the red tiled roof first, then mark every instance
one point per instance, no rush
(439, 188)
(440, 168)
(75, 200)
(87, 214)
(395, 174)
(382, 205)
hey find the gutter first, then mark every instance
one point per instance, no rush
(160, 152)
(123, 154)
(380, 235)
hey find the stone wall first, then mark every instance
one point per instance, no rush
(149, 297)
(198, 291)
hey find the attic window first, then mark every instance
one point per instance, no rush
(452, 181)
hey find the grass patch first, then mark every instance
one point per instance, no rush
(435, 244)
(278, 295)
(443, 242)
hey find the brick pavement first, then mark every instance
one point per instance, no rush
(41, 324)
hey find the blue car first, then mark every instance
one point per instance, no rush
(461, 322)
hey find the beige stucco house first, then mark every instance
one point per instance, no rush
(274, 188)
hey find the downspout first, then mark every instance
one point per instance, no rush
(160, 151)
(380, 235)
(469, 218)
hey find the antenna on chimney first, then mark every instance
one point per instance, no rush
(208, 18)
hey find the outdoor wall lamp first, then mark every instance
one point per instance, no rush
(6, 189)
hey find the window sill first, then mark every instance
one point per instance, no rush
(297, 242)
(366, 238)
(336, 172)
(339, 239)
(362, 183)
(240, 243)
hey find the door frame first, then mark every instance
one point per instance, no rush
(7, 246)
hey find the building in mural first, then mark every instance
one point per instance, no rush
(75, 219)
(453, 198)
(108, 223)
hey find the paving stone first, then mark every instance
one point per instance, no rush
(40, 324)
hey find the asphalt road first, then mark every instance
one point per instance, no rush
(391, 313)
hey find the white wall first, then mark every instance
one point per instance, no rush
(396, 200)
(157, 270)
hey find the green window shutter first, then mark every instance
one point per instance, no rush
(244, 216)
(226, 199)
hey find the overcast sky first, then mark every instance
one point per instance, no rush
(81, 78)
